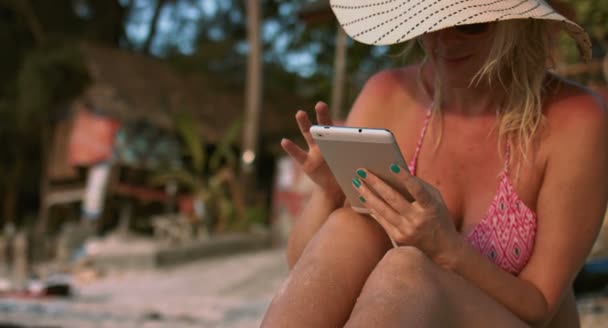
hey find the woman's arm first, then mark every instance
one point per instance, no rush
(316, 212)
(376, 92)
(570, 209)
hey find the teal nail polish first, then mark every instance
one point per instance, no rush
(362, 173)
(362, 199)
(356, 182)
(395, 168)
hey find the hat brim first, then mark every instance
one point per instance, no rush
(386, 22)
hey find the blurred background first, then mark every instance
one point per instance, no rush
(141, 179)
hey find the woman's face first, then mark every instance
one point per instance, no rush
(459, 52)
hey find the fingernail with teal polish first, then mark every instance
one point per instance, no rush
(362, 199)
(362, 173)
(356, 182)
(395, 168)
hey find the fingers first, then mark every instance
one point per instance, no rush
(391, 196)
(294, 151)
(421, 192)
(379, 206)
(323, 115)
(390, 229)
(304, 125)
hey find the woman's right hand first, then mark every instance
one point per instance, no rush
(311, 161)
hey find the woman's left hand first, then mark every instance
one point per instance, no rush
(424, 223)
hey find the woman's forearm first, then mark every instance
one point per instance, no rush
(316, 212)
(522, 298)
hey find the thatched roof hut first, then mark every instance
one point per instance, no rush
(129, 86)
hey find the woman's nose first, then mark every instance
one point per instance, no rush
(449, 35)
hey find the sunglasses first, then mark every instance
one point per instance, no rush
(472, 29)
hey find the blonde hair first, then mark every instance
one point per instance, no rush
(517, 64)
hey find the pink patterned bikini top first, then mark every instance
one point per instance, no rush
(506, 234)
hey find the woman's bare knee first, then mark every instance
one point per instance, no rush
(347, 218)
(363, 232)
(406, 258)
(347, 241)
(409, 288)
(402, 290)
(405, 267)
(326, 281)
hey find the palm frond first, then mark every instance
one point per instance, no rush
(188, 131)
(224, 148)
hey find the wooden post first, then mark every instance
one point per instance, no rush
(8, 237)
(32, 21)
(20, 261)
(605, 67)
(3, 257)
(337, 92)
(253, 97)
(45, 150)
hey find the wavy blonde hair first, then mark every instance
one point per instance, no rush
(517, 64)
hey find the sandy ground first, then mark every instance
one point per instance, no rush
(226, 292)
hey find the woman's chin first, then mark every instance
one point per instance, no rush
(457, 75)
(455, 82)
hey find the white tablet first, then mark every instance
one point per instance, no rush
(347, 149)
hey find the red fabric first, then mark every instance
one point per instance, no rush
(92, 138)
(142, 193)
(507, 233)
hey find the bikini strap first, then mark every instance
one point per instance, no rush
(507, 158)
(425, 124)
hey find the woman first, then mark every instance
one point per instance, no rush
(508, 170)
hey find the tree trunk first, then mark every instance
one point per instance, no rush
(337, 92)
(253, 95)
(109, 26)
(45, 145)
(153, 25)
(11, 196)
(24, 7)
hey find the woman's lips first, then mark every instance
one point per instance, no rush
(453, 59)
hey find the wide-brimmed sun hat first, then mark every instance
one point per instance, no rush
(385, 22)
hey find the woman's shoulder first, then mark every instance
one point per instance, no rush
(383, 90)
(390, 83)
(570, 103)
(575, 114)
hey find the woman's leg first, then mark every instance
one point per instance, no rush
(567, 315)
(407, 289)
(323, 286)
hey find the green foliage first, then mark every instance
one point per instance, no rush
(208, 175)
(191, 137)
(224, 151)
(182, 177)
(256, 215)
(591, 15)
(37, 79)
(49, 77)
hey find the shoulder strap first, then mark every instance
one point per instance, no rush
(425, 124)
(507, 158)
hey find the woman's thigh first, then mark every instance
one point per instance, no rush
(323, 286)
(407, 289)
